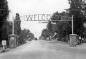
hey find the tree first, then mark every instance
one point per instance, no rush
(4, 11)
(45, 33)
(17, 23)
(76, 9)
(17, 28)
(63, 28)
(24, 36)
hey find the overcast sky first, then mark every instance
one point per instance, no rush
(25, 7)
(37, 6)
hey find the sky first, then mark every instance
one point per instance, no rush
(26, 7)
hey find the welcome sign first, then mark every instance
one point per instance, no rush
(36, 17)
(43, 17)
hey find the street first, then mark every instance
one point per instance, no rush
(40, 49)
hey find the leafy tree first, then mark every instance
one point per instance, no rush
(17, 28)
(45, 33)
(17, 23)
(78, 10)
(24, 36)
(3, 16)
(63, 28)
(49, 26)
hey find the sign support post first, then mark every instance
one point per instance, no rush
(73, 37)
(13, 37)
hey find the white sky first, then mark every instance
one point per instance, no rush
(25, 7)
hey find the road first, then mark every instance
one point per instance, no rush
(41, 49)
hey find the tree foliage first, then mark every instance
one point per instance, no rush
(4, 11)
(17, 23)
(45, 33)
(63, 28)
(24, 36)
(78, 10)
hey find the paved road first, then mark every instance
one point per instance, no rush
(44, 50)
